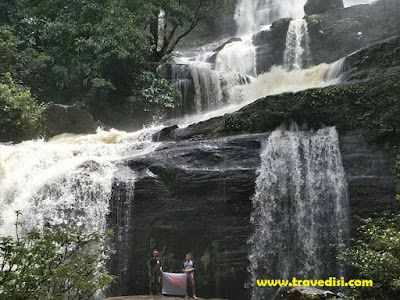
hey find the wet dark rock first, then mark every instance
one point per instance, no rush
(198, 131)
(371, 177)
(313, 7)
(270, 45)
(188, 195)
(303, 292)
(340, 32)
(69, 119)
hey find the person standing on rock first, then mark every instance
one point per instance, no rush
(188, 267)
(155, 270)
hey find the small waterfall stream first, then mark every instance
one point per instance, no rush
(297, 50)
(299, 208)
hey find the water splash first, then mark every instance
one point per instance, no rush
(300, 207)
(67, 179)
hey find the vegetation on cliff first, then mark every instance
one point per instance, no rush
(54, 264)
(373, 106)
(375, 255)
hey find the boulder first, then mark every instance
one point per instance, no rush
(302, 292)
(69, 119)
(313, 7)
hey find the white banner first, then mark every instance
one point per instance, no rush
(174, 283)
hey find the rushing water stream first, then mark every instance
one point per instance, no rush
(300, 207)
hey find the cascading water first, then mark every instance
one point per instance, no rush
(238, 57)
(299, 208)
(253, 15)
(67, 180)
(217, 73)
(296, 55)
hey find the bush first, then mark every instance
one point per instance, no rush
(21, 115)
(376, 256)
(55, 264)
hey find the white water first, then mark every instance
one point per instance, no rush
(299, 208)
(253, 15)
(67, 179)
(277, 81)
(297, 50)
(239, 57)
(348, 3)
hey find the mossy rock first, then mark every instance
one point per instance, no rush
(373, 106)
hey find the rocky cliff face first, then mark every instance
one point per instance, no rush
(340, 32)
(334, 32)
(189, 194)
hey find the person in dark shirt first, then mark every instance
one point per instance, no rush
(188, 267)
(155, 270)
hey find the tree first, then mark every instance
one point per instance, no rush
(100, 55)
(56, 264)
(169, 21)
(21, 116)
(7, 8)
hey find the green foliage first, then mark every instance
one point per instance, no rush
(55, 264)
(7, 8)
(382, 55)
(376, 256)
(371, 106)
(99, 55)
(281, 25)
(157, 92)
(208, 261)
(21, 115)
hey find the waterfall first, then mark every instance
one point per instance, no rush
(239, 57)
(297, 52)
(180, 76)
(299, 208)
(67, 179)
(212, 88)
(120, 221)
(253, 15)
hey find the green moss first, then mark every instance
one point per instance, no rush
(382, 55)
(282, 22)
(374, 107)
